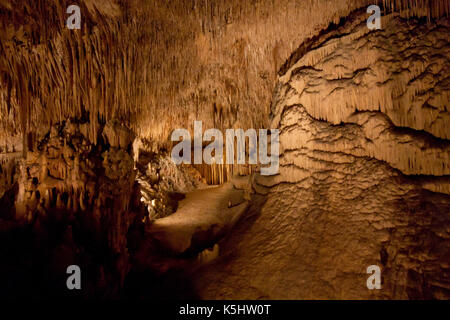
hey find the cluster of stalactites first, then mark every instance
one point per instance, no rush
(419, 8)
(216, 174)
(152, 73)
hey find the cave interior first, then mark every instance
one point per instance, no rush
(353, 119)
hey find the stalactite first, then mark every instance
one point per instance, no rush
(69, 72)
(389, 109)
(216, 174)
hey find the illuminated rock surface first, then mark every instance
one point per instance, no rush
(344, 198)
(85, 124)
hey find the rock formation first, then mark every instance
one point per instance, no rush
(363, 118)
(86, 177)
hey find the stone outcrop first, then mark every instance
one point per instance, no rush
(188, 239)
(363, 174)
(67, 171)
(84, 189)
(8, 184)
(162, 184)
(201, 220)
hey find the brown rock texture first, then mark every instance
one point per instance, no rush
(159, 66)
(162, 183)
(93, 176)
(363, 118)
(85, 185)
(364, 166)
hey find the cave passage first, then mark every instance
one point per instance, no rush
(224, 150)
